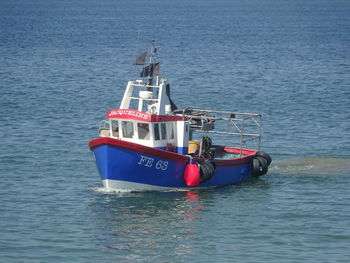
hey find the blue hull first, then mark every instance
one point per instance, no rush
(121, 164)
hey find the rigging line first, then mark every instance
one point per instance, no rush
(137, 45)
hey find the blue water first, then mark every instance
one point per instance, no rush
(63, 64)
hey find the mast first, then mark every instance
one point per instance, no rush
(150, 66)
(151, 63)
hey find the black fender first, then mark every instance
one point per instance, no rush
(255, 167)
(259, 166)
(206, 170)
(265, 155)
(263, 165)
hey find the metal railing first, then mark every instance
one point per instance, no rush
(247, 126)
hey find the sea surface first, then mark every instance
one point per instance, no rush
(64, 64)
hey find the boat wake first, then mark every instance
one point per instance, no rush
(312, 166)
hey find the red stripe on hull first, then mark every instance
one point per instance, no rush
(139, 148)
(247, 158)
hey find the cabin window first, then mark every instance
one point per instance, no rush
(171, 130)
(143, 131)
(114, 126)
(163, 129)
(156, 132)
(128, 129)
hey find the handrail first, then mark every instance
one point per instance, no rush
(245, 125)
(144, 86)
(227, 112)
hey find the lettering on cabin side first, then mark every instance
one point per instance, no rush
(148, 162)
(132, 113)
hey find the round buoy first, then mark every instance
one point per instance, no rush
(192, 175)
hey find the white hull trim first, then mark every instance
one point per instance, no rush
(122, 186)
(131, 186)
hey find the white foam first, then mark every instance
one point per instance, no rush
(107, 190)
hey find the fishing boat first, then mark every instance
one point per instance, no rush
(150, 144)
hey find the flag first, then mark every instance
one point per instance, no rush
(156, 69)
(167, 92)
(140, 59)
(150, 70)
